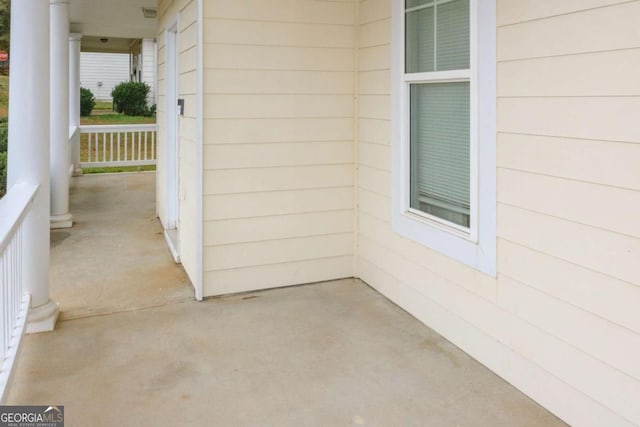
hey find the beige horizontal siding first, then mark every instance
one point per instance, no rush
(376, 231)
(598, 249)
(277, 82)
(616, 345)
(375, 131)
(268, 228)
(189, 164)
(255, 180)
(374, 204)
(277, 203)
(277, 251)
(269, 33)
(613, 388)
(244, 106)
(575, 75)
(596, 293)
(374, 106)
(261, 155)
(601, 206)
(561, 320)
(374, 155)
(376, 33)
(552, 391)
(374, 58)
(375, 180)
(295, 11)
(278, 148)
(578, 159)
(515, 11)
(576, 31)
(279, 130)
(568, 149)
(248, 57)
(600, 118)
(220, 282)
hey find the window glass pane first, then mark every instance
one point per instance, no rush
(440, 142)
(420, 40)
(413, 3)
(437, 36)
(452, 35)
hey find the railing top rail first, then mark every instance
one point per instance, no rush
(13, 209)
(118, 128)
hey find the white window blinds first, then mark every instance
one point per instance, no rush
(437, 40)
(437, 36)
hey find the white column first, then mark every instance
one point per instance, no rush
(60, 150)
(74, 98)
(29, 148)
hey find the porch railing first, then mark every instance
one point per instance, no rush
(74, 145)
(117, 145)
(14, 302)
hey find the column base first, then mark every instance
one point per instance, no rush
(43, 318)
(61, 221)
(77, 172)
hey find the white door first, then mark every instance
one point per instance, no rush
(172, 154)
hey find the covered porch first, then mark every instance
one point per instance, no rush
(114, 258)
(131, 336)
(328, 354)
(44, 153)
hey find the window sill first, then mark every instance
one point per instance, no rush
(446, 240)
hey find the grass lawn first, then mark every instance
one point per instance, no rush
(103, 107)
(115, 119)
(103, 114)
(4, 95)
(119, 169)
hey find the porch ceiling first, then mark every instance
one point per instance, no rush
(112, 18)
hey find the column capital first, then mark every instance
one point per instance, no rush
(75, 37)
(59, 2)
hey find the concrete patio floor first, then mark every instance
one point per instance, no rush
(115, 257)
(328, 354)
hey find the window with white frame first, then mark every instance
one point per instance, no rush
(444, 126)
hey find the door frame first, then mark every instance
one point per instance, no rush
(172, 142)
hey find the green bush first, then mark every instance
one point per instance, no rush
(130, 98)
(4, 139)
(3, 174)
(87, 102)
(4, 136)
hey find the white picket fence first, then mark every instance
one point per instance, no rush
(14, 301)
(118, 145)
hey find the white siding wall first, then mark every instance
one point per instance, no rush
(189, 164)
(562, 320)
(107, 68)
(149, 67)
(279, 128)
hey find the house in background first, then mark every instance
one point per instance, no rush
(101, 72)
(107, 61)
(475, 161)
(143, 64)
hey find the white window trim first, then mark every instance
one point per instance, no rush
(476, 246)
